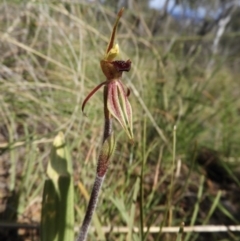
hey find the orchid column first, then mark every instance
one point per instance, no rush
(116, 106)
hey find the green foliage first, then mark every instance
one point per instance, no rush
(57, 221)
(49, 62)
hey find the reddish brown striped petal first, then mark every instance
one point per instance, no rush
(119, 106)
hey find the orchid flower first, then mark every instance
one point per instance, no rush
(117, 102)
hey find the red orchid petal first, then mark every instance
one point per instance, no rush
(112, 101)
(119, 106)
(127, 109)
(91, 94)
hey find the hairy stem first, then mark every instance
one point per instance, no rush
(102, 167)
(91, 208)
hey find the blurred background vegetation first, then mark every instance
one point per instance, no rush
(185, 73)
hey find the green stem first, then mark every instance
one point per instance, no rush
(170, 208)
(141, 181)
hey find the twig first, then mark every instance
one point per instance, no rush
(187, 229)
(108, 229)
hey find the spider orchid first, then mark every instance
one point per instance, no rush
(116, 96)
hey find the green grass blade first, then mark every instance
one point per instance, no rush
(213, 207)
(180, 233)
(133, 208)
(120, 205)
(196, 207)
